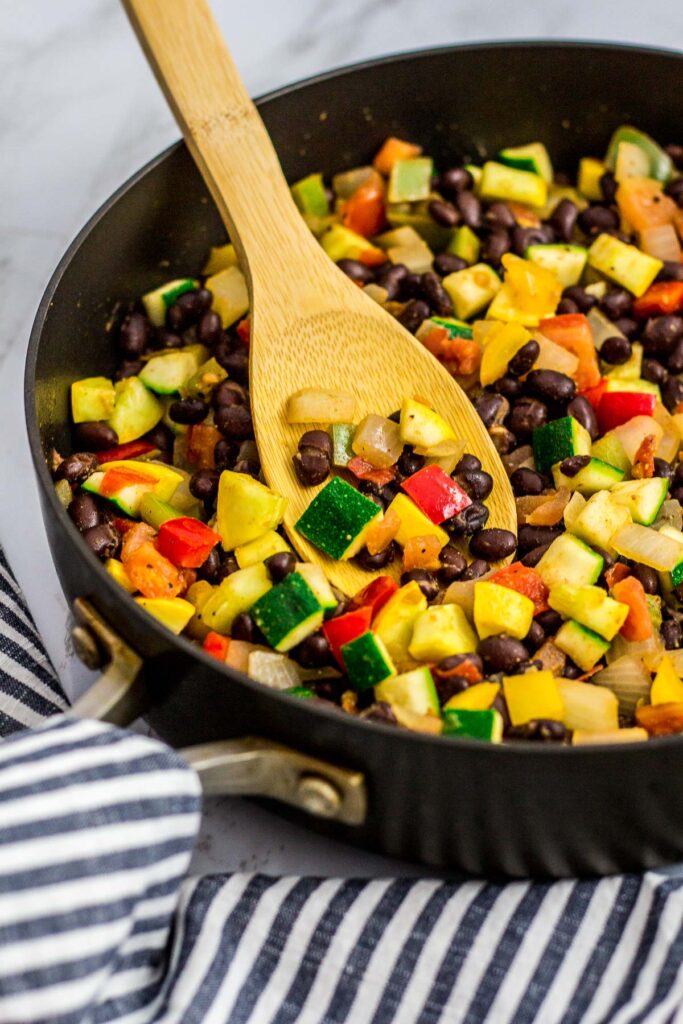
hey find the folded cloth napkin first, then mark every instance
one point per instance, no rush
(99, 923)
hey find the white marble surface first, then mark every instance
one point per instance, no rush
(79, 112)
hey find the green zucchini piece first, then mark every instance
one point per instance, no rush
(319, 584)
(237, 593)
(643, 498)
(410, 180)
(136, 410)
(569, 560)
(473, 725)
(413, 690)
(202, 383)
(342, 437)
(596, 476)
(659, 162)
(590, 607)
(337, 519)
(154, 511)
(631, 369)
(165, 374)
(464, 243)
(532, 157)
(566, 262)
(507, 183)
(599, 520)
(557, 440)
(623, 263)
(472, 289)
(455, 328)
(310, 196)
(157, 301)
(367, 661)
(580, 644)
(288, 613)
(92, 398)
(609, 449)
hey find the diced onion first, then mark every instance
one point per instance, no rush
(676, 659)
(670, 440)
(551, 657)
(645, 545)
(582, 738)
(274, 670)
(661, 241)
(314, 405)
(628, 678)
(520, 458)
(650, 651)
(462, 593)
(346, 183)
(378, 441)
(527, 504)
(601, 327)
(632, 434)
(553, 357)
(573, 509)
(588, 707)
(551, 511)
(670, 514)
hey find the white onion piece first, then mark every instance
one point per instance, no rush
(573, 509)
(601, 327)
(462, 593)
(676, 659)
(650, 651)
(628, 678)
(378, 441)
(661, 241)
(553, 357)
(634, 431)
(670, 514)
(670, 440)
(589, 707)
(315, 405)
(274, 670)
(643, 544)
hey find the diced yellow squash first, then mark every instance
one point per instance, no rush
(529, 293)
(230, 295)
(172, 612)
(117, 571)
(533, 695)
(590, 172)
(421, 426)
(501, 610)
(501, 347)
(441, 631)
(584, 737)
(271, 543)
(220, 258)
(92, 398)
(588, 707)
(414, 523)
(246, 509)
(475, 698)
(394, 622)
(667, 687)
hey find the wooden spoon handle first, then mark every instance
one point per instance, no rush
(221, 126)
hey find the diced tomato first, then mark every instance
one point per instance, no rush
(132, 450)
(365, 471)
(422, 553)
(381, 533)
(134, 537)
(642, 203)
(661, 299)
(186, 542)
(114, 480)
(364, 211)
(466, 669)
(618, 572)
(573, 332)
(525, 581)
(152, 574)
(436, 494)
(202, 439)
(344, 628)
(216, 645)
(375, 595)
(372, 257)
(638, 624)
(617, 407)
(435, 340)
(394, 149)
(595, 394)
(243, 330)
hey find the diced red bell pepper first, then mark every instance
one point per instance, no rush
(364, 210)
(617, 407)
(375, 595)
(363, 470)
(186, 542)
(243, 330)
(573, 332)
(661, 299)
(346, 627)
(132, 450)
(216, 645)
(202, 439)
(114, 480)
(435, 493)
(595, 394)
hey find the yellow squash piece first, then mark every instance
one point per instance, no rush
(172, 612)
(501, 346)
(583, 737)
(501, 610)
(533, 695)
(414, 523)
(421, 426)
(667, 687)
(441, 631)
(529, 293)
(394, 622)
(117, 571)
(245, 509)
(220, 258)
(479, 697)
(230, 295)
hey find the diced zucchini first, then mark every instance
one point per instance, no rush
(455, 328)
(643, 387)
(473, 725)
(596, 476)
(591, 607)
(136, 480)
(136, 410)
(465, 244)
(157, 302)
(92, 398)
(367, 661)
(342, 436)
(569, 560)
(405, 245)
(501, 182)
(410, 180)
(660, 165)
(599, 519)
(167, 373)
(337, 519)
(472, 289)
(642, 498)
(623, 263)
(245, 509)
(590, 172)
(609, 449)
(565, 261)
(154, 511)
(270, 543)
(237, 593)
(414, 690)
(441, 631)
(532, 157)
(230, 295)
(631, 162)
(557, 440)
(288, 613)
(580, 644)
(310, 196)
(203, 381)
(417, 217)
(317, 581)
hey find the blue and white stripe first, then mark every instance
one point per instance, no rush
(98, 922)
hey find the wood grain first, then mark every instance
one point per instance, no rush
(310, 325)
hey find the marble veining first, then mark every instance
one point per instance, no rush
(80, 112)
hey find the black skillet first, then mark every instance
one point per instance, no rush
(515, 810)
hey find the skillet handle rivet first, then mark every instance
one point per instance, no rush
(86, 648)
(318, 796)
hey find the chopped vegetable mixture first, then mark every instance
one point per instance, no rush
(557, 303)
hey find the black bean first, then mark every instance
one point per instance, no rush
(443, 213)
(252, 467)
(542, 730)
(628, 327)
(583, 299)
(84, 512)
(675, 360)
(551, 385)
(502, 653)
(319, 439)
(671, 634)
(499, 215)
(608, 186)
(445, 263)
(563, 219)
(533, 557)
(280, 565)
(234, 422)
(647, 576)
(209, 328)
(453, 565)
(229, 392)
(413, 313)
(524, 359)
(493, 544)
(311, 466)
(475, 569)
(476, 483)
(391, 279)
(661, 334)
(469, 208)
(671, 271)
(228, 565)
(549, 621)
(204, 484)
(491, 408)
(185, 310)
(188, 410)
(522, 238)
(675, 190)
(598, 219)
(210, 568)
(672, 393)
(313, 652)
(161, 437)
(616, 350)
(534, 637)
(389, 491)
(571, 670)
(411, 286)
(163, 338)
(378, 561)
(495, 245)
(566, 307)
(93, 436)
(573, 464)
(202, 300)
(454, 180)
(526, 481)
(527, 414)
(467, 522)
(582, 410)
(529, 537)
(507, 386)
(435, 294)
(356, 270)
(468, 464)
(77, 467)
(617, 302)
(425, 580)
(653, 371)
(224, 454)
(103, 540)
(662, 468)
(236, 363)
(135, 335)
(243, 627)
(409, 463)
(128, 368)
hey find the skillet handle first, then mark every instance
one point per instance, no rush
(250, 766)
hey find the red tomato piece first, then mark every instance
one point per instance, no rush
(595, 394)
(186, 542)
(638, 624)
(364, 210)
(216, 645)
(525, 581)
(344, 628)
(375, 595)
(661, 299)
(153, 574)
(436, 494)
(617, 407)
(243, 330)
(132, 450)
(363, 470)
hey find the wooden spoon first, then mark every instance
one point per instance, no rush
(310, 325)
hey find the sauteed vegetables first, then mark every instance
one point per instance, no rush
(557, 303)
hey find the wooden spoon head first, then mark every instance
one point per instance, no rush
(339, 339)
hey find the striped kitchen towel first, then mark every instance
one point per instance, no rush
(98, 921)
